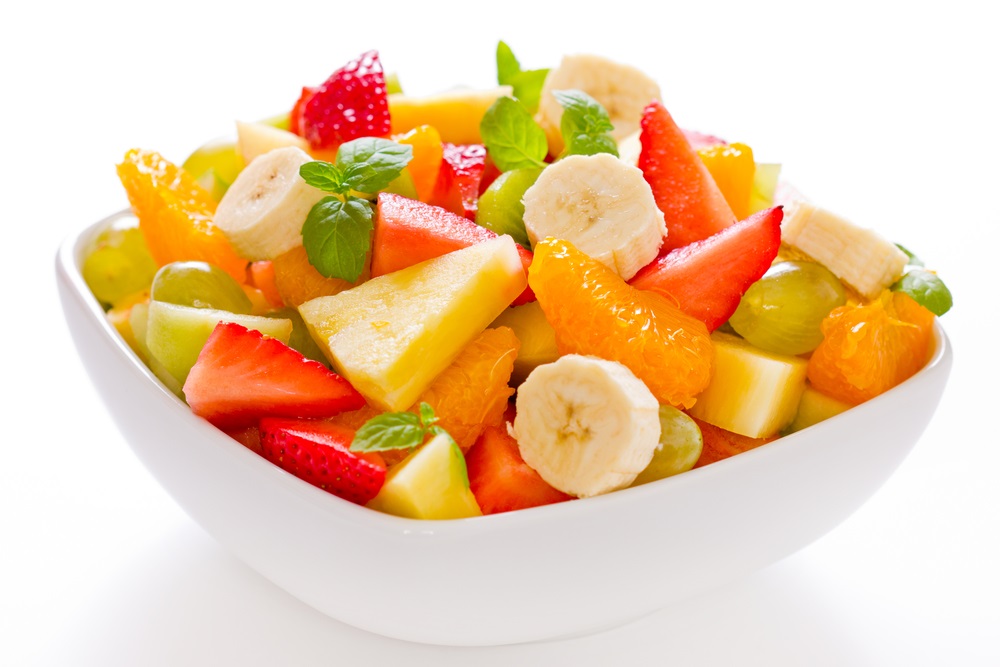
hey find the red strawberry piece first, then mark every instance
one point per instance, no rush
(491, 172)
(408, 231)
(500, 479)
(707, 279)
(693, 206)
(249, 437)
(242, 375)
(319, 452)
(295, 117)
(352, 103)
(462, 169)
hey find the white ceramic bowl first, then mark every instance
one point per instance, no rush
(547, 572)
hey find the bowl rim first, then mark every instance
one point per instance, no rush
(68, 265)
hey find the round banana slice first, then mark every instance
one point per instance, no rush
(622, 90)
(587, 425)
(262, 212)
(601, 205)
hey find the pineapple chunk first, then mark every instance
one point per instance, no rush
(752, 392)
(456, 114)
(391, 336)
(814, 408)
(255, 139)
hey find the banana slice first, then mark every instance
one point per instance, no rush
(601, 205)
(622, 90)
(858, 256)
(262, 212)
(587, 425)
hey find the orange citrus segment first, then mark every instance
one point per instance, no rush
(593, 311)
(427, 155)
(175, 213)
(298, 281)
(868, 349)
(732, 168)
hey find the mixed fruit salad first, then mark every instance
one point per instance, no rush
(490, 300)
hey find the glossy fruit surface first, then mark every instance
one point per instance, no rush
(118, 263)
(457, 187)
(500, 209)
(298, 281)
(215, 165)
(719, 444)
(594, 312)
(732, 168)
(199, 285)
(679, 448)
(425, 165)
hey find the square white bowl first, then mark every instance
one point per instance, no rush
(547, 572)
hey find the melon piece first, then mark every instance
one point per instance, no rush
(815, 407)
(536, 335)
(392, 336)
(255, 139)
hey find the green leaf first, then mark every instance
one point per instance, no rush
(390, 430)
(427, 416)
(337, 235)
(585, 124)
(323, 176)
(369, 164)
(528, 87)
(592, 144)
(507, 65)
(927, 289)
(512, 137)
(911, 259)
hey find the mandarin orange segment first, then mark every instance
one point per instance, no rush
(175, 213)
(732, 168)
(427, 155)
(868, 349)
(593, 311)
(298, 281)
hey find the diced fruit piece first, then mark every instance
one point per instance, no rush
(588, 426)
(139, 322)
(260, 274)
(765, 183)
(732, 168)
(120, 318)
(295, 116)
(430, 483)
(595, 312)
(457, 187)
(782, 311)
(456, 114)
(249, 437)
(402, 185)
(679, 448)
(536, 335)
(243, 376)
(199, 285)
(176, 334)
(500, 479)
(408, 231)
(298, 280)
(860, 257)
(255, 139)
(118, 264)
(719, 444)
(175, 213)
(500, 208)
(259, 305)
(214, 166)
(707, 278)
(320, 453)
(752, 392)
(815, 407)
(351, 103)
(700, 140)
(693, 206)
(869, 349)
(299, 339)
(392, 335)
(425, 165)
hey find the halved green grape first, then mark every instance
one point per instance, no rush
(403, 185)
(200, 285)
(500, 208)
(679, 448)
(215, 166)
(300, 339)
(765, 182)
(118, 263)
(782, 311)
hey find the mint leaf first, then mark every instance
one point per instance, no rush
(911, 259)
(322, 176)
(390, 430)
(585, 124)
(528, 87)
(927, 289)
(369, 164)
(512, 137)
(507, 65)
(337, 235)
(427, 416)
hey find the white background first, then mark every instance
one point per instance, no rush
(885, 114)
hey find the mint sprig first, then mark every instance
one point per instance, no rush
(512, 137)
(337, 231)
(527, 84)
(927, 289)
(396, 430)
(585, 124)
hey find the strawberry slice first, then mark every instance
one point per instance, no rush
(707, 279)
(295, 117)
(693, 206)
(408, 231)
(351, 103)
(319, 452)
(462, 171)
(242, 375)
(500, 479)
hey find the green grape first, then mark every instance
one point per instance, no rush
(403, 185)
(200, 285)
(782, 311)
(215, 166)
(765, 182)
(118, 263)
(500, 208)
(300, 339)
(679, 448)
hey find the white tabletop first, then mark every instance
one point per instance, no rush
(888, 118)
